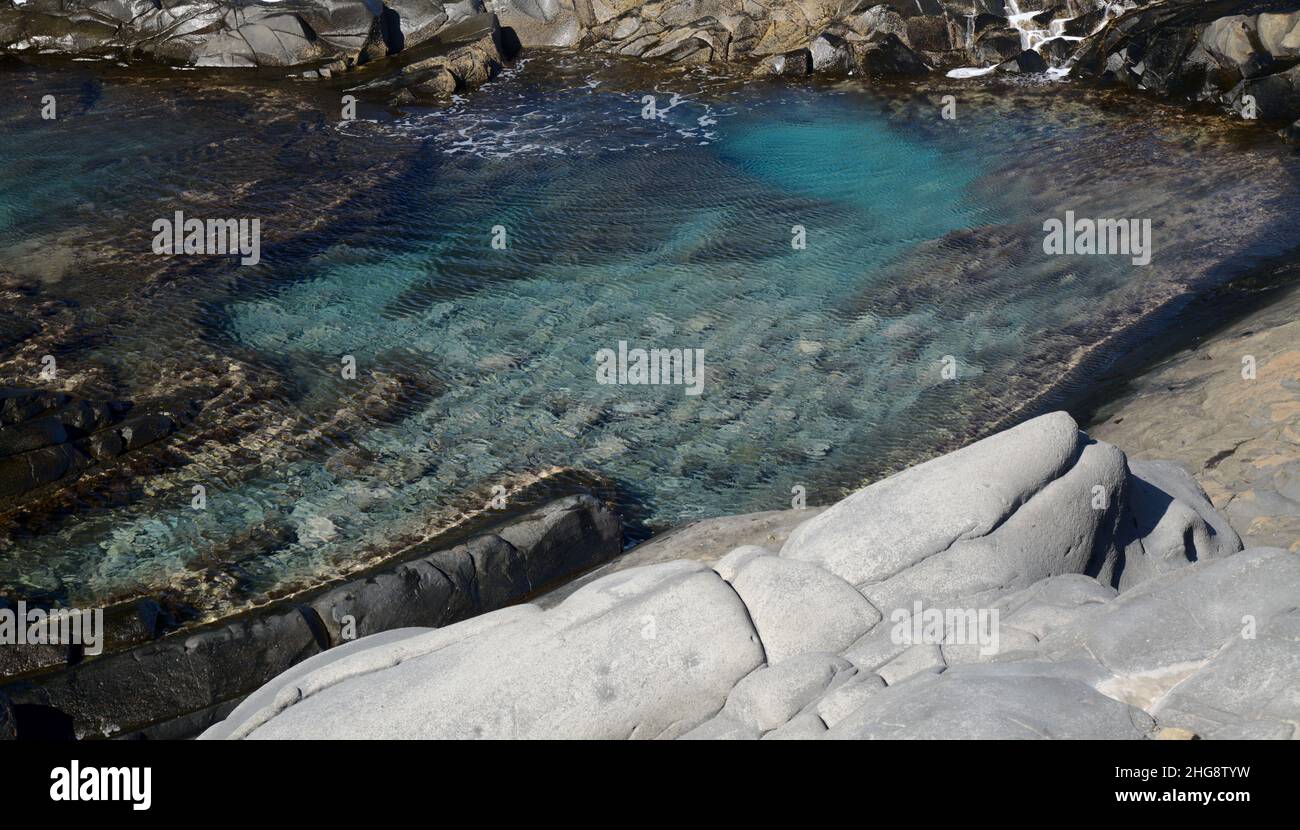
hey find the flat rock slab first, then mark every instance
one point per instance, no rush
(1238, 437)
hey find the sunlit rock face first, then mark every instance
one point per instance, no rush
(1025, 586)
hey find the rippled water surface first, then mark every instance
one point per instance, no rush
(477, 365)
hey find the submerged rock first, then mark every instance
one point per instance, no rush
(1018, 542)
(181, 680)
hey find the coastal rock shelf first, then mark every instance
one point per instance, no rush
(1238, 54)
(177, 684)
(1121, 603)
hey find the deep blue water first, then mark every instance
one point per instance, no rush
(822, 364)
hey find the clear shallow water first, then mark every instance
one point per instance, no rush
(476, 365)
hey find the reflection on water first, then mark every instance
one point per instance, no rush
(477, 363)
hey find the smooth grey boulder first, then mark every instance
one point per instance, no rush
(1252, 686)
(1173, 522)
(1023, 536)
(706, 540)
(892, 524)
(722, 727)
(1054, 603)
(1279, 34)
(848, 697)
(798, 607)
(805, 726)
(539, 22)
(260, 705)
(647, 653)
(770, 696)
(915, 659)
(1156, 635)
(965, 703)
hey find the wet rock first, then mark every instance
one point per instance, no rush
(885, 55)
(20, 474)
(1027, 62)
(104, 446)
(476, 58)
(994, 45)
(14, 330)
(1057, 50)
(8, 725)
(175, 675)
(18, 405)
(31, 434)
(143, 430)
(795, 64)
(1291, 134)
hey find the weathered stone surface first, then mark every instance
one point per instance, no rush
(794, 64)
(1253, 683)
(771, 696)
(706, 541)
(831, 54)
(973, 703)
(895, 523)
(1173, 521)
(1238, 437)
(223, 33)
(588, 668)
(781, 647)
(1201, 50)
(193, 671)
(848, 697)
(913, 661)
(1158, 633)
(885, 54)
(798, 607)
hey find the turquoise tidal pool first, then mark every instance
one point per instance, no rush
(831, 249)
